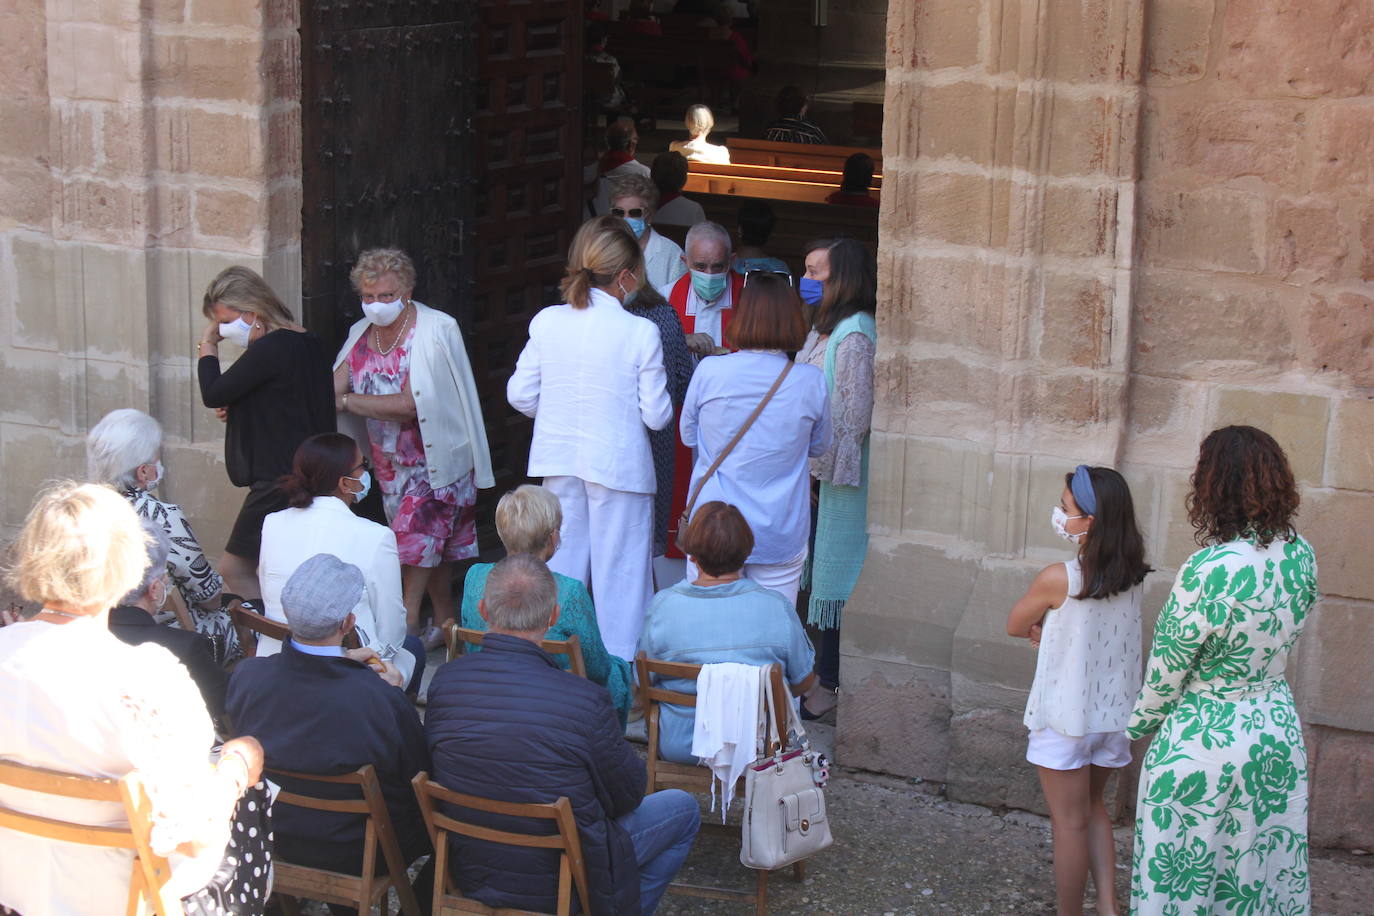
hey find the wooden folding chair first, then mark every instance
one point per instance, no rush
(459, 638)
(363, 890)
(149, 873)
(250, 625)
(664, 774)
(572, 869)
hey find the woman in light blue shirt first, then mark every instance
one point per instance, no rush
(720, 616)
(766, 474)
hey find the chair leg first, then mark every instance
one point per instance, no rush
(761, 893)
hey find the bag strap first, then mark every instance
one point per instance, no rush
(729, 447)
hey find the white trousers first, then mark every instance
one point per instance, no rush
(783, 578)
(607, 537)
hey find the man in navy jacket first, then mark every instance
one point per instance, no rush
(506, 724)
(319, 709)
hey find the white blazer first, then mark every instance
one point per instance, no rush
(446, 403)
(292, 536)
(663, 263)
(593, 380)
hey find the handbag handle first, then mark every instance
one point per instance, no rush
(772, 735)
(729, 447)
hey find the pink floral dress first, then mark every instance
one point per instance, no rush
(432, 526)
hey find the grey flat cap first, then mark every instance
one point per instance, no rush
(320, 594)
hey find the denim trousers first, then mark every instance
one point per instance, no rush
(662, 829)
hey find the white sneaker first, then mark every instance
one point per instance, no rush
(432, 637)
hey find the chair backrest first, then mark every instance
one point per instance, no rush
(261, 625)
(459, 638)
(147, 878)
(378, 832)
(647, 668)
(572, 867)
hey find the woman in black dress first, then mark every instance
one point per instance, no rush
(276, 395)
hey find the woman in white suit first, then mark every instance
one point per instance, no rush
(592, 378)
(328, 475)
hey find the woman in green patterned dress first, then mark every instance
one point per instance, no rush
(1221, 818)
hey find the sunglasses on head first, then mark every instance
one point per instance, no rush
(636, 213)
(764, 272)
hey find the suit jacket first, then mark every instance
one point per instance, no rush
(135, 626)
(505, 723)
(316, 714)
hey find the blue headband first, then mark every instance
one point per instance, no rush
(1082, 489)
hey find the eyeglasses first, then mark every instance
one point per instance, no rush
(636, 213)
(765, 272)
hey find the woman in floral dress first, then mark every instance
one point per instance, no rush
(404, 370)
(1221, 819)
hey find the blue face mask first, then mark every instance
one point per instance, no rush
(810, 290)
(709, 286)
(637, 226)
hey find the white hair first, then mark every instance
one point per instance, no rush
(707, 231)
(158, 549)
(119, 443)
(699, 121)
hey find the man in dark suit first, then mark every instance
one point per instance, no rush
(132, 621)
(316, 709)
(506, 724)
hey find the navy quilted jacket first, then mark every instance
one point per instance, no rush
(505, 723)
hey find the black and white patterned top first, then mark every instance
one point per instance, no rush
(678, 365)
(197, 581)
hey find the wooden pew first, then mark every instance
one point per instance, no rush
(745, 151)
(766, 188)
(780, 173)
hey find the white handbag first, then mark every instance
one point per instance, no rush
(784, 805)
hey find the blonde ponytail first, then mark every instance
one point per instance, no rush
(600, 250)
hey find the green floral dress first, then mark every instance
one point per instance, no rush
(1221, 819)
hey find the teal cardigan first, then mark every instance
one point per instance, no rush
(576, 617)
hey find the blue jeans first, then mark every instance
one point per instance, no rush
(417, 649)
(662, 829)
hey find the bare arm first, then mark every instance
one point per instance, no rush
(1047, 592)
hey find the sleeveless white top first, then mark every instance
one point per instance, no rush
(1088, 671)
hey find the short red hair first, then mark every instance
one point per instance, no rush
(768, 315)
(718, 539)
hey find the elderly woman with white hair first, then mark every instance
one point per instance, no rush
(124, 450)
(528, 519)
(77, 700)
(635, 200)
(699, 123)
(404, 388)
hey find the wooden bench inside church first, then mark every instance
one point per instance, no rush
(744, 151)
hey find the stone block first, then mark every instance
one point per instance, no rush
(1045, 486)
(284, 204)
(281, 14)
(1340, 787)
(124, 145)
(1183, 328)
(192, 67)
(944, 489)
(1297, 422)
(933, 34)
(987, 761)
(1344, 136)
(196, 480)
(100, 63)
(1209, 230)
(33, 456)
(175, 397)
(210, 143)
(1336, 522)
(1178, 39)
(1176, 534)
(115, 284)
(112, 385)
(171, 219)
(281, 67)
(1166, 418)
(947, 299)
(983, 653)
(227, 13)
(1083, 43)
(1075, 321)
(284, 144)
(32, 382)
(1337, 672)
(1350, 460)
(26, 196)
(1226, 140)
(32, 293)
(1093, 135)
(954, 209)
(1086, 406)
(174, 318)
(886, 470)
(230, 215)
(24, 129)
(1306, 241)
(78, 138)
(1308, 50)
(1340, 337)
(894, 719)
(99, 211)
(1078, 222)
(956, 120)
(24, 55)
(282, 271)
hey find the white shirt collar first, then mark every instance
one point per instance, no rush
(323, 651)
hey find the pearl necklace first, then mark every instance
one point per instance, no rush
(377, 335)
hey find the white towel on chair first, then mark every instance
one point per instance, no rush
(725, 734)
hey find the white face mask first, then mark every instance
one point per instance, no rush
(166, 591)
(236, 332)
(1060, 519)
(158, 479)
(365, 478)
(384, 313)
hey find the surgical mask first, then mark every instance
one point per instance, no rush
(236, 332)
(384, 313)
(810, 290)
(629, 297)
(637, 226)
(166, 590)
(158, 479)
(709, 286)
(1060, 519)
(365, 478)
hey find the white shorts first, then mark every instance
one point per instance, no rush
(1049, 749)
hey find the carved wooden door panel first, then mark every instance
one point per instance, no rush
(527, 194)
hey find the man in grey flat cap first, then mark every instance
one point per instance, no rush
(319, 709)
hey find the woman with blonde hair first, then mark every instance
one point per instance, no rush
(528, 519)
(75, 699)
(404, 389)
(697, 148)
(592, 378)
(276, 395)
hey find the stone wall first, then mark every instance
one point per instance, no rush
(144, 146)
(1107, 228)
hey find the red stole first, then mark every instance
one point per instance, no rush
(683, 458)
